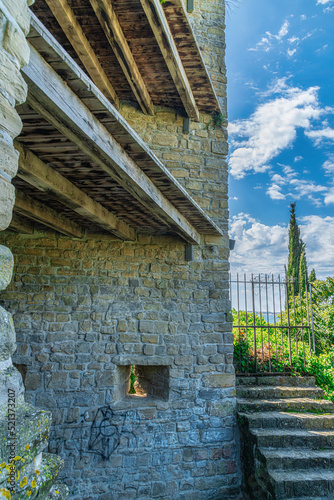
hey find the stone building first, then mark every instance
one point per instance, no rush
(114, 204)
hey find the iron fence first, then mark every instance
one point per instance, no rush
(273, 323)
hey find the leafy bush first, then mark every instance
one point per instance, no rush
(257, 344)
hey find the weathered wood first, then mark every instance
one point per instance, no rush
(115, 36)
(156, 17)
(72, 29)
(119, 128)
(32, 209)
(46, 179)
(21, 225)
(57, 104)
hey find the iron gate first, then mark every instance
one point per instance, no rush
(273, 323)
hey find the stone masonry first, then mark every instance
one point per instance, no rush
(87, 310)
(24, 471)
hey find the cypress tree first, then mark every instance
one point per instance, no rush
(312, 276)
(296, 248)
(303, 275)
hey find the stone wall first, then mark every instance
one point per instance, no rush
(84, 310)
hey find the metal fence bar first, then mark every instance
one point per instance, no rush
(270, 334)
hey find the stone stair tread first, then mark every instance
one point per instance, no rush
(284, 420)
(272, 392)
(285, 414)
(286, 402)
(301, 475)
(294, 432)
(285, 381)
(295, 453)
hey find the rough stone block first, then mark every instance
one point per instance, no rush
(11, 80)
(7, 335)
(6, 267)
(15, 43)
(20, 12)
(7, 200)
(10, 121)
(10, 379)
(8, 159)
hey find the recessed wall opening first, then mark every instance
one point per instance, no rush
(138, 381)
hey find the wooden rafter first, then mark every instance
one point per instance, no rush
(37, 211)
(72, 29)
(56, 103)
(157, 20)
(21, 225)
(46, 179)
(115, 36)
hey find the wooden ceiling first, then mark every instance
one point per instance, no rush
(82, 167)
(146, 52)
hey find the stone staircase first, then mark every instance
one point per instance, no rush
(287, 438)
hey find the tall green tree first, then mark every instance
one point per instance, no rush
(297, 268)
(303, 275)
(312, 277)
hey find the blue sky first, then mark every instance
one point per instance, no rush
(280, 67)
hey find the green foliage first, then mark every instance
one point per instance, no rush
(303, 277)
(268, 350)
(312, 276)
(297, 267)
(133, 379)
(323, 305)
(217, 120)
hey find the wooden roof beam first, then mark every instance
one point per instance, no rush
(72, 29)
(37, 211)
(21, 225)
(115, 36)
(158, 22)
(46, 179)
(49, 95)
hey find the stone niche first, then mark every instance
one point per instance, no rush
(152, 383)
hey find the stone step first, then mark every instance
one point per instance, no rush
(276, 392)
(294, 438)
(290, 459)
(302, 483)
(285, 420)
(276, 381)
(290, 404)
(32, 427)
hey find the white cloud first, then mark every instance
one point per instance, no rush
(271, 128)
(328, 166)
(260, 248)
(320, 135)
(298, 158)
(291, 52)
(266, 42)
(296, 187)
(275, 193)
(323, 2)
(329, 198)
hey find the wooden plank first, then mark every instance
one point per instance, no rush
(160, 27)
(72, 29)
(55, 102)
(115, 36)
(37, 211)
(20, 225)
(46, 179)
